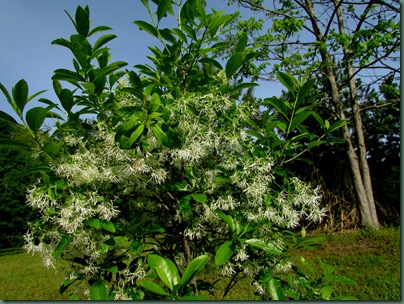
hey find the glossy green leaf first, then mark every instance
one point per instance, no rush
(287, 80)
(66, 99)
(165, 269)
(336, 125)
(275, 289)
(224, 253)
(143, 25)
(7, 95)
(110, 68)
(233, 64)
(114, 241)
(150, 286)
(264, 245)
(228, 219)
(98, 291)
(20, 94)
(94, 223)
(326, 292)
(98, 29)
(52, 148)
(316, 143)
(180, 34)
(193, 269)
(305, 89)
(106, 225)
(62, 245)
(35, 118)
(199, 197)
(245, 85)
(299, 119)
(162, 8)
(241, 44)
(67, 283)
(9, 118)
(103, 40)
(82, 21)
(136, 134)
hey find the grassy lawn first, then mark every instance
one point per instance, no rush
(372, 259)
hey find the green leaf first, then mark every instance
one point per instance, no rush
(160, 135)
(245, 85)
(103, 40)
(305, 89)
(299, 119)
(5, 116)
(63, 243)
(98, 29)
(292, 294)
(143, 25)
(316, 143)
(326, 292)
(66, 99)
(106, 225)
(136, 134)
(228, 219)
(150, 286)
(233, 64)
(166, 270)
(114, 241)
(268, 247)
(52, 148)
(35, 118)
(94, 223)
(67, 283)
(287, 80)
(199, 197)
(98, 291)
(241, 44)
(279, 105)
(20, 94)
(275, 289)
(7, 95)
(180, 34)
(224, 253)
(336, 125)
(162, 8)
(185, 205)
(109, 69)
(193, 269)
(82, 21)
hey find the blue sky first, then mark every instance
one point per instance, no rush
(27, 28)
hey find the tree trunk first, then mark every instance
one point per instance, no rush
(363, 163)
(359, 167)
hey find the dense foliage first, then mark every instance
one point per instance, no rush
(172, 171)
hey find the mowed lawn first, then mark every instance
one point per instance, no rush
(372, 259)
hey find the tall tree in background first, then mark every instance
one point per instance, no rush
(341, 42)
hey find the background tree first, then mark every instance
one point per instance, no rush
(340, 42)
(15, 178)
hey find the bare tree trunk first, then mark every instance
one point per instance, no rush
(359, 167)
(364, 167)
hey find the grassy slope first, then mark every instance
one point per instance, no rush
(371, 259)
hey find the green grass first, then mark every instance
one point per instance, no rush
(372, 259)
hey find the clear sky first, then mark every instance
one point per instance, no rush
(27, 28)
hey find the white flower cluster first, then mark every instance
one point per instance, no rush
(214, 143)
